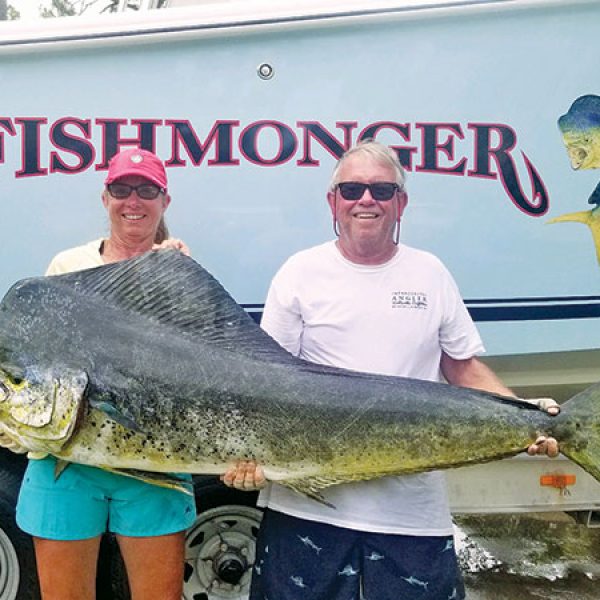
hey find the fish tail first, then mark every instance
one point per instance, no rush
(584, 216)
(591, 218)
(579, 432)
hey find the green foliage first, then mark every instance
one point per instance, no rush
(58, 8)
(69, 8)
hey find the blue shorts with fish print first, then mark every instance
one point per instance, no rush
(297, 559)
(84, 502)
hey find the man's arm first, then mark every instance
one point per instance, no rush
(473, 373)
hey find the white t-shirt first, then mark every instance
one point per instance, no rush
(77, 259)
(392, 319)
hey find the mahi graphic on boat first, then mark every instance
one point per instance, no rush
(149, 364)
(580, 128)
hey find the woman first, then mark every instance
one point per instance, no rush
(67, 516)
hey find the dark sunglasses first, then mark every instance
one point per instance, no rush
(380, 191)
(146, 191)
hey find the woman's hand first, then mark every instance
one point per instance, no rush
(173, 244)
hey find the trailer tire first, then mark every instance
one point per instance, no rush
(220, 546)
(18, 574)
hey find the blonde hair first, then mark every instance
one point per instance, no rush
(162, 231)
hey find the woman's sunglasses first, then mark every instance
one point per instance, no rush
(145, 191)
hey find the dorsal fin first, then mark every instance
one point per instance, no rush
(172, 289)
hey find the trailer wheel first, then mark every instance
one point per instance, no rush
(18, 575)
(220, 546)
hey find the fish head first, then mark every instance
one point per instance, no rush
(580, 128)
(583, 149)
(39, 409)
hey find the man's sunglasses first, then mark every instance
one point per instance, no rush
(145, 191)
(380, 191)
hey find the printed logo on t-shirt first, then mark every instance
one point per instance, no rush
(415, 300)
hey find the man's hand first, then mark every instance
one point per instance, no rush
(544, 445)
(549, 405)
(246, 475)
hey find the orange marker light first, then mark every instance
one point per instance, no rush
(558, 481)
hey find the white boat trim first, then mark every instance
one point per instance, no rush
(193, 20)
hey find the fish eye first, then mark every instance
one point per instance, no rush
(12, 381)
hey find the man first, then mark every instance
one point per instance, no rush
(389, 538)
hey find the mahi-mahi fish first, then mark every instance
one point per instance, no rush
(150, 365)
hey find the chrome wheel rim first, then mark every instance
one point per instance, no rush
(220, 550)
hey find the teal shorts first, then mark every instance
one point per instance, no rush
(84, 502)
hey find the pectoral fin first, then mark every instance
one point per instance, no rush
(60, 467)
(111, 411)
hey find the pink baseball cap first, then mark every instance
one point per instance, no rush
(135, 161)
